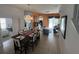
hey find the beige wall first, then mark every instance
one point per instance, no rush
(72, 37)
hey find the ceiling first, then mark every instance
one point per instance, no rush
(40, 8)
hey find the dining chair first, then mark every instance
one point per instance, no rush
(20, 45)
(32, 41)
(24, 44)
(17, 46)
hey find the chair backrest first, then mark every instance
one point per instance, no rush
(16, 43)
(34, 37)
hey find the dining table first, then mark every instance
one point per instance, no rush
(24, 34)
(26, 38)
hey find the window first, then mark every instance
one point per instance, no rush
(3, 23)
(53, 22)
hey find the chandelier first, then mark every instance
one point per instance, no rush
(28, 14)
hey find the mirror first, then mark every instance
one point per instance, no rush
(63, 26)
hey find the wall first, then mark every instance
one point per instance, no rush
(76, 17)
(7, 11)
(45, 21)
(72, 36)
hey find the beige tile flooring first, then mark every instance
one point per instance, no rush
(48, 44)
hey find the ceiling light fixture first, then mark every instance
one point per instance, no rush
(28, 14)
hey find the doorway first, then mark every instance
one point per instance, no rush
(38, 22)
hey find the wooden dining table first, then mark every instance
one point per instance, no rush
(26, 37)
(27, 33)
(24, 34)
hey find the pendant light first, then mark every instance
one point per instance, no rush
(28, 14)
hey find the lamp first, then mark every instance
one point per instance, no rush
(28, 14)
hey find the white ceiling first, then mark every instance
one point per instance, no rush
(40, 8)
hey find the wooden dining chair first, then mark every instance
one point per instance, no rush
(24, 44)
(20, 45)
(17, 46)
(32, 41)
